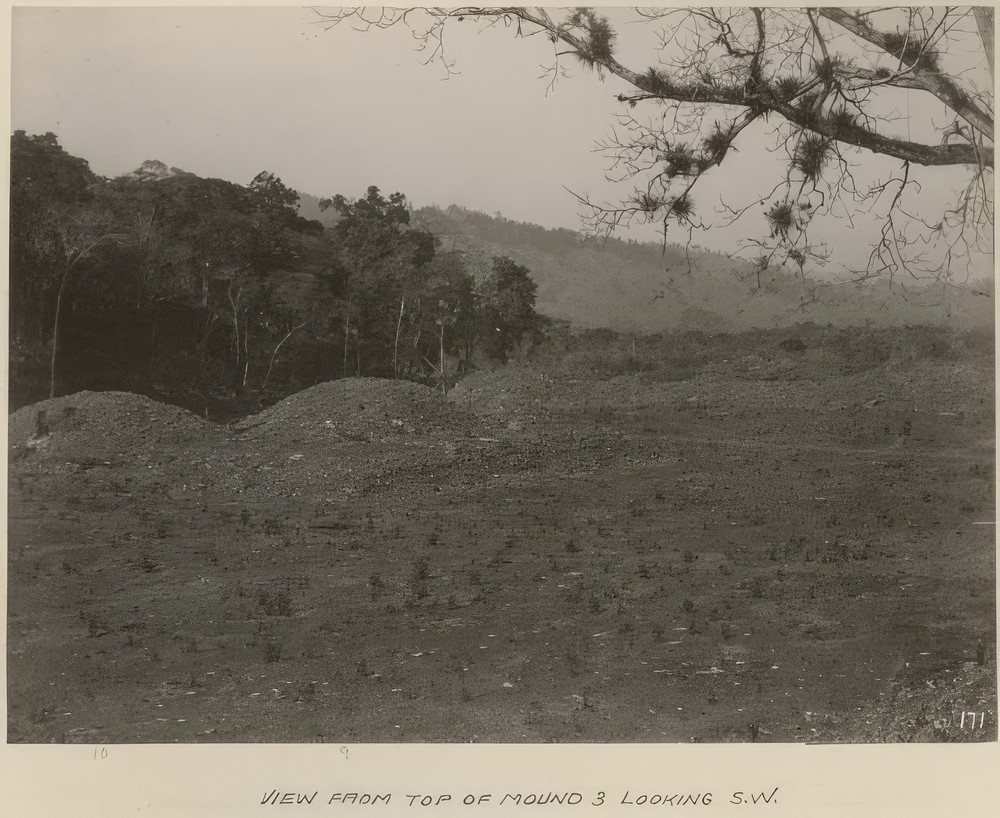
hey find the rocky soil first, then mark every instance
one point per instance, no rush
(765, 537)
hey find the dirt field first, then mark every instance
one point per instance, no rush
(776, 536)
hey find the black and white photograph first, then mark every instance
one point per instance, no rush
(501, 376)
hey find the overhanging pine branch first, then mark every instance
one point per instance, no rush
(933, 82)
(655, 84)
(659, 86)
(955, 154)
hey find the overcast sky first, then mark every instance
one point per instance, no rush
(230, 92)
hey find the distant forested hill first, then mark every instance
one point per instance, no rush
(628, 285)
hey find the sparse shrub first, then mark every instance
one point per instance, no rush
(421, 573)
(278, 603)
(376, 585)
(94, 627)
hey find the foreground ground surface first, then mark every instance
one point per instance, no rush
(781, 536)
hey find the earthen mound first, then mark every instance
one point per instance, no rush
(101, 426)
(362, 409)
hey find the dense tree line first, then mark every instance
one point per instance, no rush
(220, 297)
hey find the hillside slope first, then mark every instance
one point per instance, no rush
(626, 285)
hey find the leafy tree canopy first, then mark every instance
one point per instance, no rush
(375, 228)
(39, 163)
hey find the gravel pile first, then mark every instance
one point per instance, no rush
(348, 436)
(96, 426)
(360, 409)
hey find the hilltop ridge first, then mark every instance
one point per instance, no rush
(633, 286)
(645, 287)
(153, 170)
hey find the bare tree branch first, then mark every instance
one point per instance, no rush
(716, 72)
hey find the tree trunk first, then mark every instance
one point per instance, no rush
(416, 343)
(236, 323)
(984, 21)
(395, 344)
(152, 350)
(347, 336)
(444, 380)
(289, 335)
(55, 333)
(246, 347)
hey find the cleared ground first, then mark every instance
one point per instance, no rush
(776, 536)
